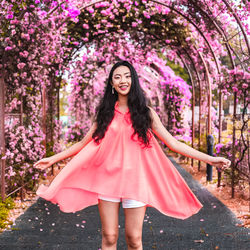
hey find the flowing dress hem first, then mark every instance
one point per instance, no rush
(67, 210)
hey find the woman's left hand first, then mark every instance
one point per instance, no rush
(220, 162)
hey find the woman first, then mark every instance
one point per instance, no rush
(119, 160)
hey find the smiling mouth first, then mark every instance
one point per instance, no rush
(123, 87)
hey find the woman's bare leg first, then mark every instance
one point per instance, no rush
(133, 226)
(109, 214)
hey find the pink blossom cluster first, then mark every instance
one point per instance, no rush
(23, 148)
(235, 80)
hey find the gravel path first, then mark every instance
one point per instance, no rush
(44, 226)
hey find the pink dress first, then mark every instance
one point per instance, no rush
(121, 167)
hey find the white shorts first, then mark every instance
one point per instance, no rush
(126, 203)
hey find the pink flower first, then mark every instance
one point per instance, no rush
(166, 11)
(8, 48)
(21, 65)
(31, 31)
(91, 10)
(14, 21)
(23, 75)
(85, 26)
(24, 54)
(25, 36)
(134, 24)
(73, 13)
(146, 14)
(104, 12)
(235, 89)
(10, 16)
(98, 26)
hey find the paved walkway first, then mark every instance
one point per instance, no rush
(43, 226)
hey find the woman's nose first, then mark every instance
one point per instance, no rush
(123, 79)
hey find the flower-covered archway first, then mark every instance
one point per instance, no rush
(41, 40)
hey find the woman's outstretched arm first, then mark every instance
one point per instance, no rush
(182, 148)
(74, 149)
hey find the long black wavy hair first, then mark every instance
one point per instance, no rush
(137, 104)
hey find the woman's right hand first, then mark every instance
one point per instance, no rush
(44, 163)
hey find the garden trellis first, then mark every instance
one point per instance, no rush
(40, 40)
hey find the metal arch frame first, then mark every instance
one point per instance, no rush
(199, 81)
(2, 136)
(228, 47)
(196, 27)
(193, 101)
(181, 14)
(239, 23)
(235, 97)
(222, 33)
(2, 126)
(209, 103)
(209, 92)
(233, 13)
(193, 95)
(178, 12)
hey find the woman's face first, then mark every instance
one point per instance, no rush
(121, 80)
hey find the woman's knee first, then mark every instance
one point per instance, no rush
(110, 238)
(134, 240)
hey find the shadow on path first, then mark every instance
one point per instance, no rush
(44, 226)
